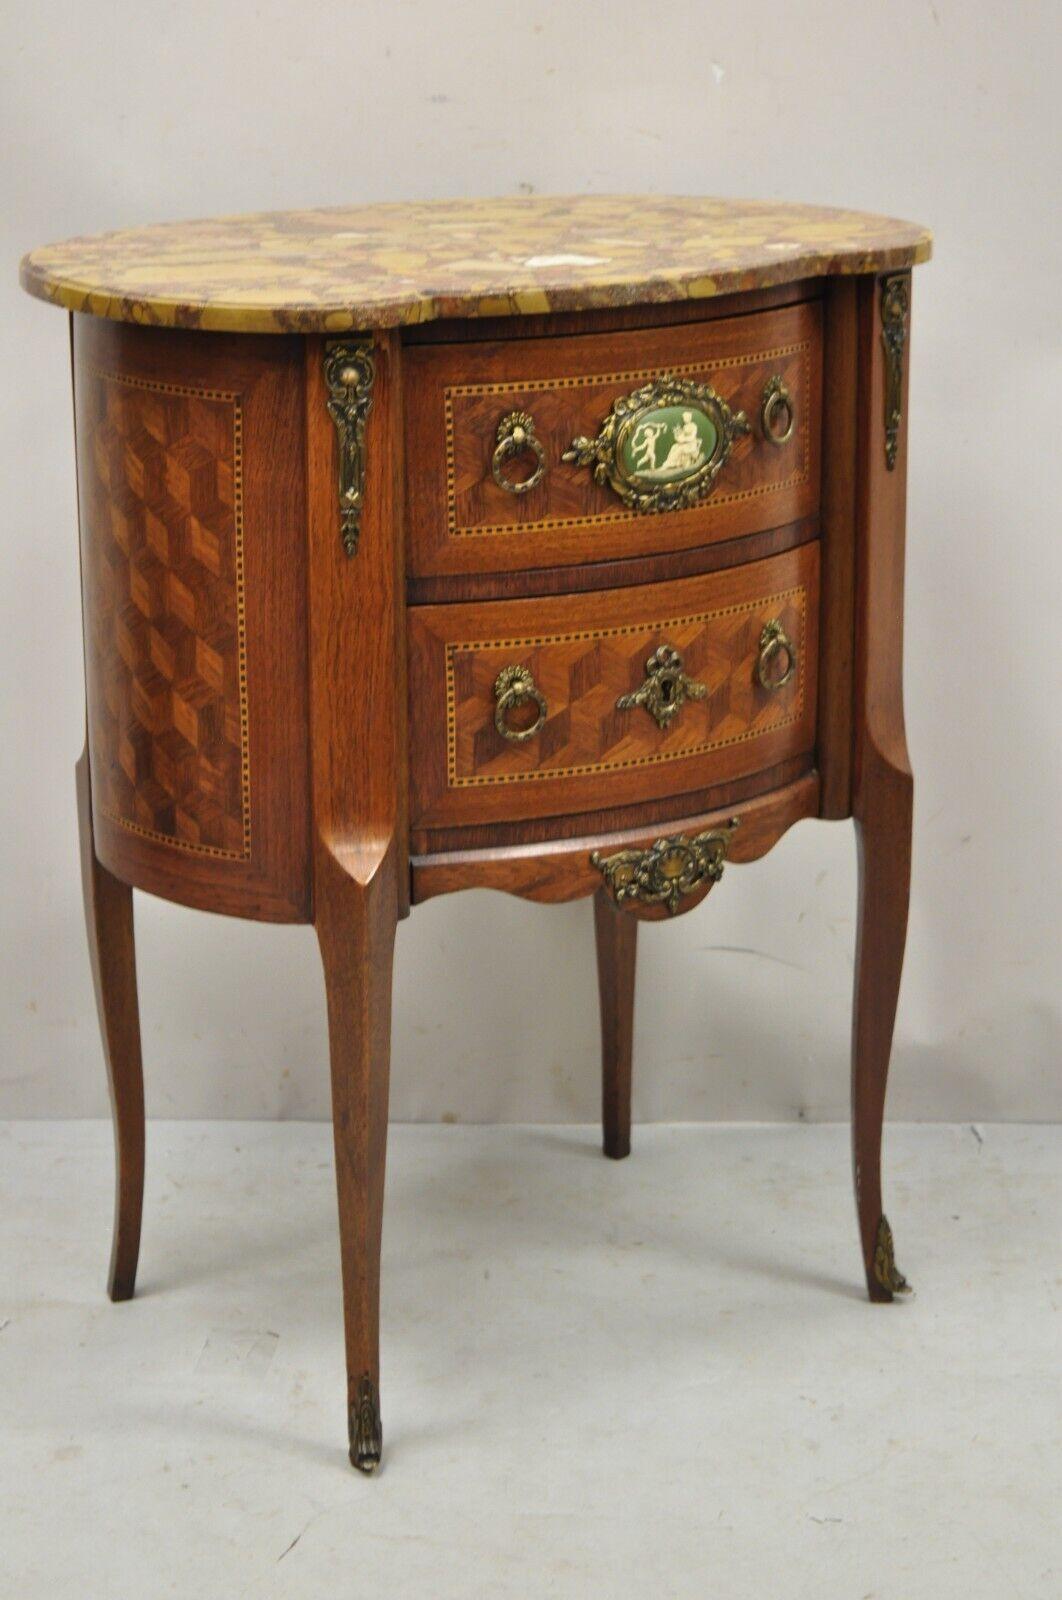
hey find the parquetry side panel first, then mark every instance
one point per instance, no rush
(191, 495)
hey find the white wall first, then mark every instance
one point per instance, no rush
(943, 111)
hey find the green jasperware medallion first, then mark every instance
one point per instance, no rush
(662, 447)
(667, 443)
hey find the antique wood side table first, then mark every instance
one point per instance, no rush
(554, 546)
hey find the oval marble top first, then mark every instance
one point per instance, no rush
(356, 267)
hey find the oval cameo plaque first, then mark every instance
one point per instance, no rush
(662, 447)
(666, 443)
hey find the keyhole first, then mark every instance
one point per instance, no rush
(667, 690)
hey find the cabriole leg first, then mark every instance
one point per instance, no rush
(616, 935)
(112, 952)
(883, 833)
(356, 931)
(882, 784)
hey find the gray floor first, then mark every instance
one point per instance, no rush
(657, 1377)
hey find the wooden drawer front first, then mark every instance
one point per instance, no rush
(586, 651)
(460, 520)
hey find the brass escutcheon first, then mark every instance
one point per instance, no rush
(514, 686)
(777, 399)
(668, 869)
(516, 436)
(662, 447)
(895, 305)
(666, 688)
(349, 372)
(774, 641)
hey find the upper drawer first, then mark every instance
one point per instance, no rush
(537, 708)
(673, 466)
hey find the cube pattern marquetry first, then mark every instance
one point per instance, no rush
(162, 534)
(582, 675)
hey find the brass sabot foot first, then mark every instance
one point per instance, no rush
(886, 1272)
(366, 1432)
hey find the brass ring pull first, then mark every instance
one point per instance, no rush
(513, 687)
(516, 437)
(775, 642)
(776, 400)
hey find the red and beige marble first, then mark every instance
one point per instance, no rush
(359, 267)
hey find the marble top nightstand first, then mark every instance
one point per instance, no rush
(551, 545)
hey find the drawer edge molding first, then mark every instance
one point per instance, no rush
(622, 572)
(564, 870)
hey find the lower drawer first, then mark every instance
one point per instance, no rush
(533, 708)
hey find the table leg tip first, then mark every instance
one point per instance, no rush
(885, 1280)
(366, 1432)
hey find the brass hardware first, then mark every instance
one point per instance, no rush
(349, 371)
(774, 641)
(667, 870)
(516, 436)
(701, 429)
(895, 304)
(886, 1272)
(776, 398)
(666, 687)
(366, 1432)
(514, 686)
